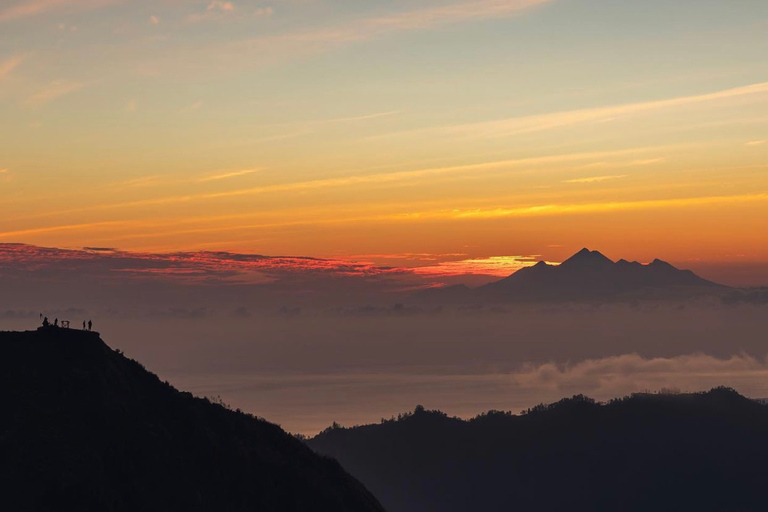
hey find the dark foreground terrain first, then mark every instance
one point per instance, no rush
(685, 452)
(83, 428)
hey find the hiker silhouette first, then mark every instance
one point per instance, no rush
(90, 325)
(46, 323)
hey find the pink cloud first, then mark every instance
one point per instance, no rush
(28, 8)
(7, 66)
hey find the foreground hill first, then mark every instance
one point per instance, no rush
(702, 452)
(587, 275)
(84, 428)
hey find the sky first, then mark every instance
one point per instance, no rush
(246, 195)
(376, 131)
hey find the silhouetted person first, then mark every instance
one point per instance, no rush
(83, 324)
(90, 325)
(46, 323)
(56, 322)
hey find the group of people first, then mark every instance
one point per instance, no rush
(87, 326)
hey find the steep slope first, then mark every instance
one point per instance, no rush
(703, 452)
(590, 275)
(84, 428)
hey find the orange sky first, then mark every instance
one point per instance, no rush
(377, 133)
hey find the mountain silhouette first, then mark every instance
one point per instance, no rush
(703, 452)
(84, 428)
(587, 275)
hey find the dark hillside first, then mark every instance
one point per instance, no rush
(84, 428)
(702, 452)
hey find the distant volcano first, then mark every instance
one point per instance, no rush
(590, 275)
(587, 275)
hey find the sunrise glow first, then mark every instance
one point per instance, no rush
(209, 126)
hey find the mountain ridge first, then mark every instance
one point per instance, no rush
(668, 452)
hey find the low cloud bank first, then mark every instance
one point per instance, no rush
(618, 375)
(308, 403)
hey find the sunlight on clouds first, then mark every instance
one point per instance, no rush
(143, 181)
(630, 163)
(566, 209)
(376, 178)
(192, 107)
(221, 6)
(595, 179)
(371, 28)
(428, 18)
(227, 175)
(365, 117)
(219, 10)
(52, 91)
(27, 8)
(499, 266)
(146, 230)
(85, 227)
(8, 65)
(543, 122)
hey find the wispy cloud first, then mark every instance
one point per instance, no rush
(630, 163)
(164, 229)
(377, 178)
(52, 91)
(307, 127)
(372, 28)
(352, 119)
(756, 143)
(542, 122)
(227, 175)
(600, 207)
(85, 226)
(217, 5)
(192, 107)
(28, 8)
(595, 179)
(220, 10)
(429, 18)
(143, 181)
(7, 66)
